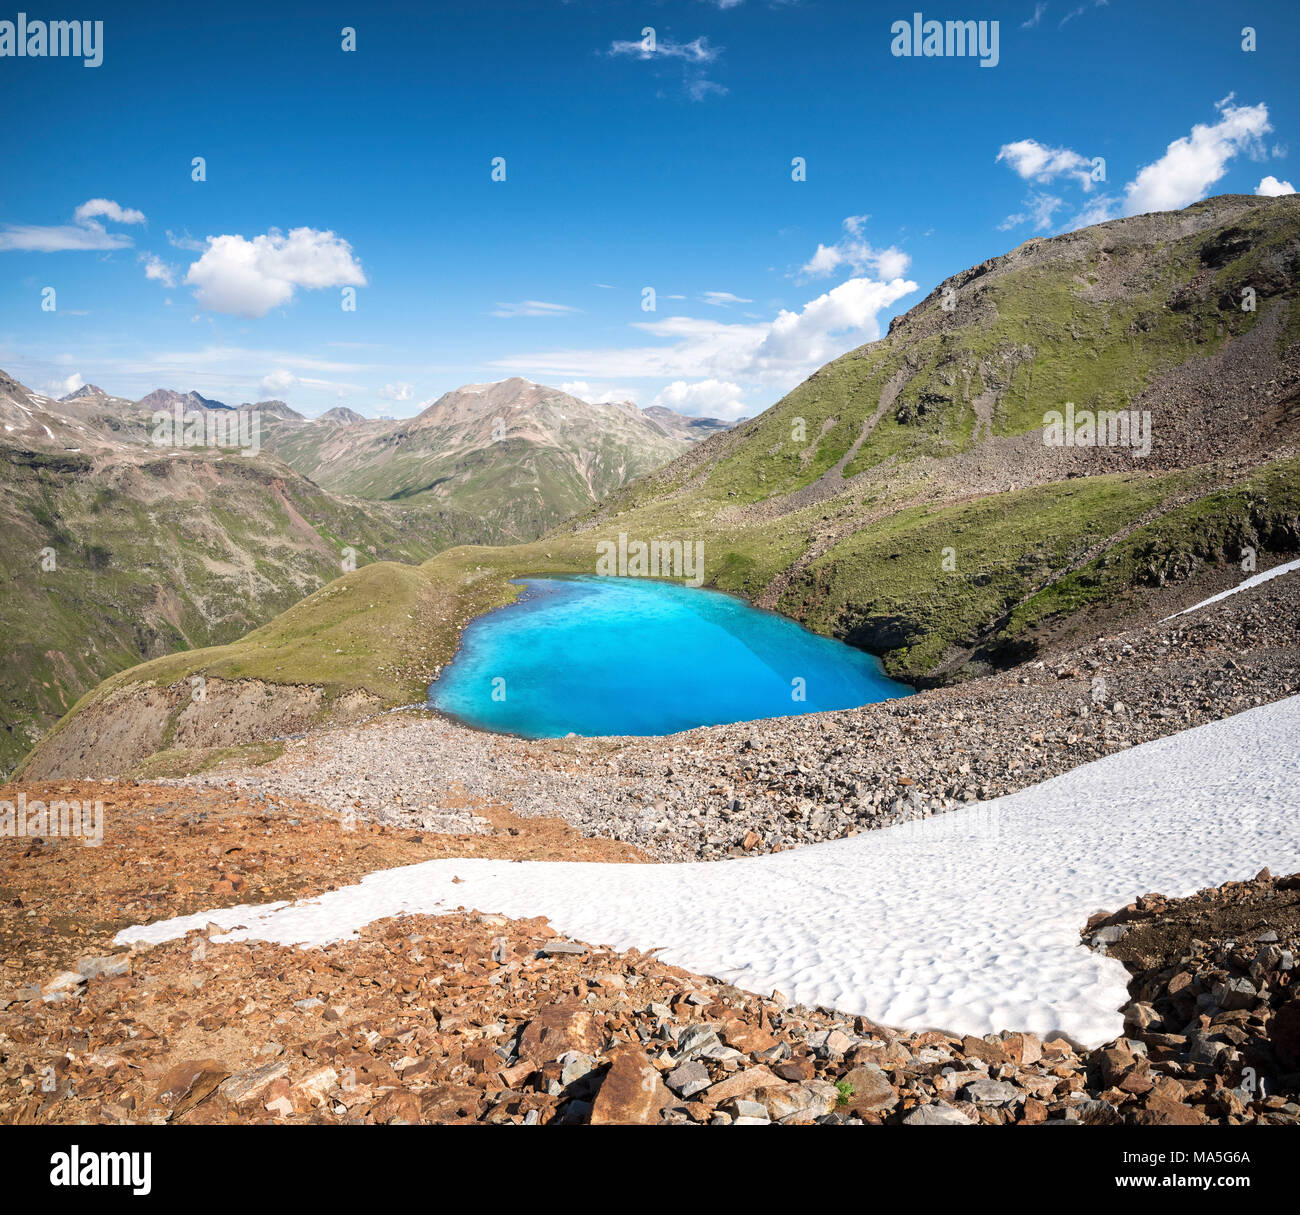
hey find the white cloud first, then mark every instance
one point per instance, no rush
(855, 254)
(1036, 161)
(1081, 9)
(1192, 164)
(1270, 187)
(691, 55)
(250, 277)
(597, 395)
(32, 239)
(400, 391)
(698, 88)
(533, 308)
(183, 240)
(703, 399)
(106, 208)
(61, 388)
(1039, 9)
(86, 233)
(1182, 176)
(781, 351)
(1098, 211)
(697, 51)
(278, 383)
(158, 270)
(722, 299)
(809, 336)
(1041, 208)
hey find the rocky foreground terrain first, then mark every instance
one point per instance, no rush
(471, 1017)
(727, 790)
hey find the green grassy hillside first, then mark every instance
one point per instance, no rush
(159, 555)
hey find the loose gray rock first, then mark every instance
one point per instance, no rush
(938, 1113)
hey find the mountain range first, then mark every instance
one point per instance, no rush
(519, 455)
(155, 549)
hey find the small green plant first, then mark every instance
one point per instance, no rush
(845, 1090)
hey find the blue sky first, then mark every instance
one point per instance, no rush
(625, 169)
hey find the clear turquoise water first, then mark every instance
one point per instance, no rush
(593, 656)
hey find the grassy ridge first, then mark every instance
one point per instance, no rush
(1262, 513)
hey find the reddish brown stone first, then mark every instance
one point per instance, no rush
(630, 1091)
(870, 1090)
(450, 1103)
(401, 1105)
(977, 1048)
(1034, 1111)
(796, 1070)
(1161, 1109)
(1022, 1049)
(188, 1083)
(1135, 1083)
(1114, 1063)
(558, 1028)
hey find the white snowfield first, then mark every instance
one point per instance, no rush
(1255, 580)
(967, 922)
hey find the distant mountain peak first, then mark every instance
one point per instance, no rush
(341, 413)
(166, 398)
(682, 426)
(86, 390)
(275, 409)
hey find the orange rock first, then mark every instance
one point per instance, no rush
(188, 1083)
(1034, 1111)
(558, 1028)
(741, 1084)
(631, 1091)
(401, 1105)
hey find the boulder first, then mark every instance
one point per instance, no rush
(558, 1029)
(630, 1092)
(869, 1090)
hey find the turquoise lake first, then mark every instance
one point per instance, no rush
(595, 656)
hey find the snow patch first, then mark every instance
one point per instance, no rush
(1276, 572)
(967, 922)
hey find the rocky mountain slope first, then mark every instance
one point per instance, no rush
(520, 455)
(905, 498)
(167, 398)
(693, 430)
(684, 1048)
